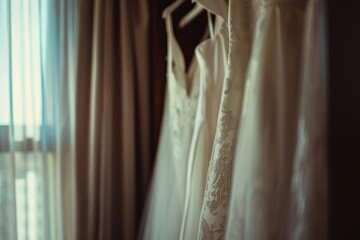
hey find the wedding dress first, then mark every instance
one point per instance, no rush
(252, 165)
(165, 204)
(279, 175)
(212, 60)
(181, 198)
(267, 173)
(218, 184)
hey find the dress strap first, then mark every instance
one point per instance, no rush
(210, 24)
(171, 41)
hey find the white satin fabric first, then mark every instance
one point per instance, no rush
(279, 176)
(276, 188)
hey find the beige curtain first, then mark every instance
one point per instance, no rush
(112, 132)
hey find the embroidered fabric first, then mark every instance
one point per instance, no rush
(217, 193)
(182, 113)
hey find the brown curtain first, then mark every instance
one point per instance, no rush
(112, 122)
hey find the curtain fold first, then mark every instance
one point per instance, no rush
(112, 121)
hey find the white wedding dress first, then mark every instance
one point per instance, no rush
(165, 203)
(212, 60)
(279, 174)
(267, 173)
(242, 153)
(189, 125)
(214, 211)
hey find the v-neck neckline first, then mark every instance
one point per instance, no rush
(180, 63)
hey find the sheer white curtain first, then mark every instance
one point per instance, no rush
(36, 118)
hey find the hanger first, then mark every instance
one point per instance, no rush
(191, 15)
(188, 17)
(222, 10)
(169, 9)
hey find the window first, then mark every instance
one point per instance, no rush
(27, 193)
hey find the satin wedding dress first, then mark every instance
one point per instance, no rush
(279, 177)
(276, 188)
(267, 174)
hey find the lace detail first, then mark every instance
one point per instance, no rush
(209, 231)
(227, 125)
(220, 191)
(218, 186)
(182, 111)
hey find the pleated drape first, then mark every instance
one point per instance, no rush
(112, 122)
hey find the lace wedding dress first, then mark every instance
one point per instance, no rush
(165, 204)
(218, 185)
(189, 125)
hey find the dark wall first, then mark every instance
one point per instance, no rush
(344, 118)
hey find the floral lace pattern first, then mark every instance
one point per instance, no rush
(209, 231)
(182, 111)
(217, 193)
